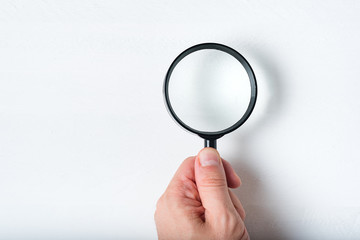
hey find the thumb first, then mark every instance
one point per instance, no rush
(211, 182)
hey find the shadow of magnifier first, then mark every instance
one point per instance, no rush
(210, 90)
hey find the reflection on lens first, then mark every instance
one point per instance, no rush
(209, 90)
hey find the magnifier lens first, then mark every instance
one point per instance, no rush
(209, 90)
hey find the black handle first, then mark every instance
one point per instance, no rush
(210, 143)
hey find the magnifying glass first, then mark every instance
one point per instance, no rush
(210, 90)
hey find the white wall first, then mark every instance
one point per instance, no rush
(87, 147)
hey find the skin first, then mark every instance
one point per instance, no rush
(198, 203)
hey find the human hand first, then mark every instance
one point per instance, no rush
(198, 204)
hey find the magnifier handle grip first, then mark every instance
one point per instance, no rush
(210, 143)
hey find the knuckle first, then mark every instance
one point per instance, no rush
(156, 214)
(158, 206)
(227, 220)
(164, 202)
(159, 202)
(232, 221)
(244, 214)
(241, 212)
(245, 235)
(231, 225)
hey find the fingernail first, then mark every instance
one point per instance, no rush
(209, 157)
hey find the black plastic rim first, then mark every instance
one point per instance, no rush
(253, 84)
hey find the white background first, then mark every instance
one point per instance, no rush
(87, 147)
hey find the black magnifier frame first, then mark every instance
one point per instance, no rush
(211, 137)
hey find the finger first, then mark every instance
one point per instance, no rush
(185, 170)
(183, 177)
(233, 180)
(238, 206)
(211, 183)
(245, 235)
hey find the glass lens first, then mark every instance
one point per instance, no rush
(209, 90)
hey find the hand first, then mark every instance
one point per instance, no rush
(198, 204)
